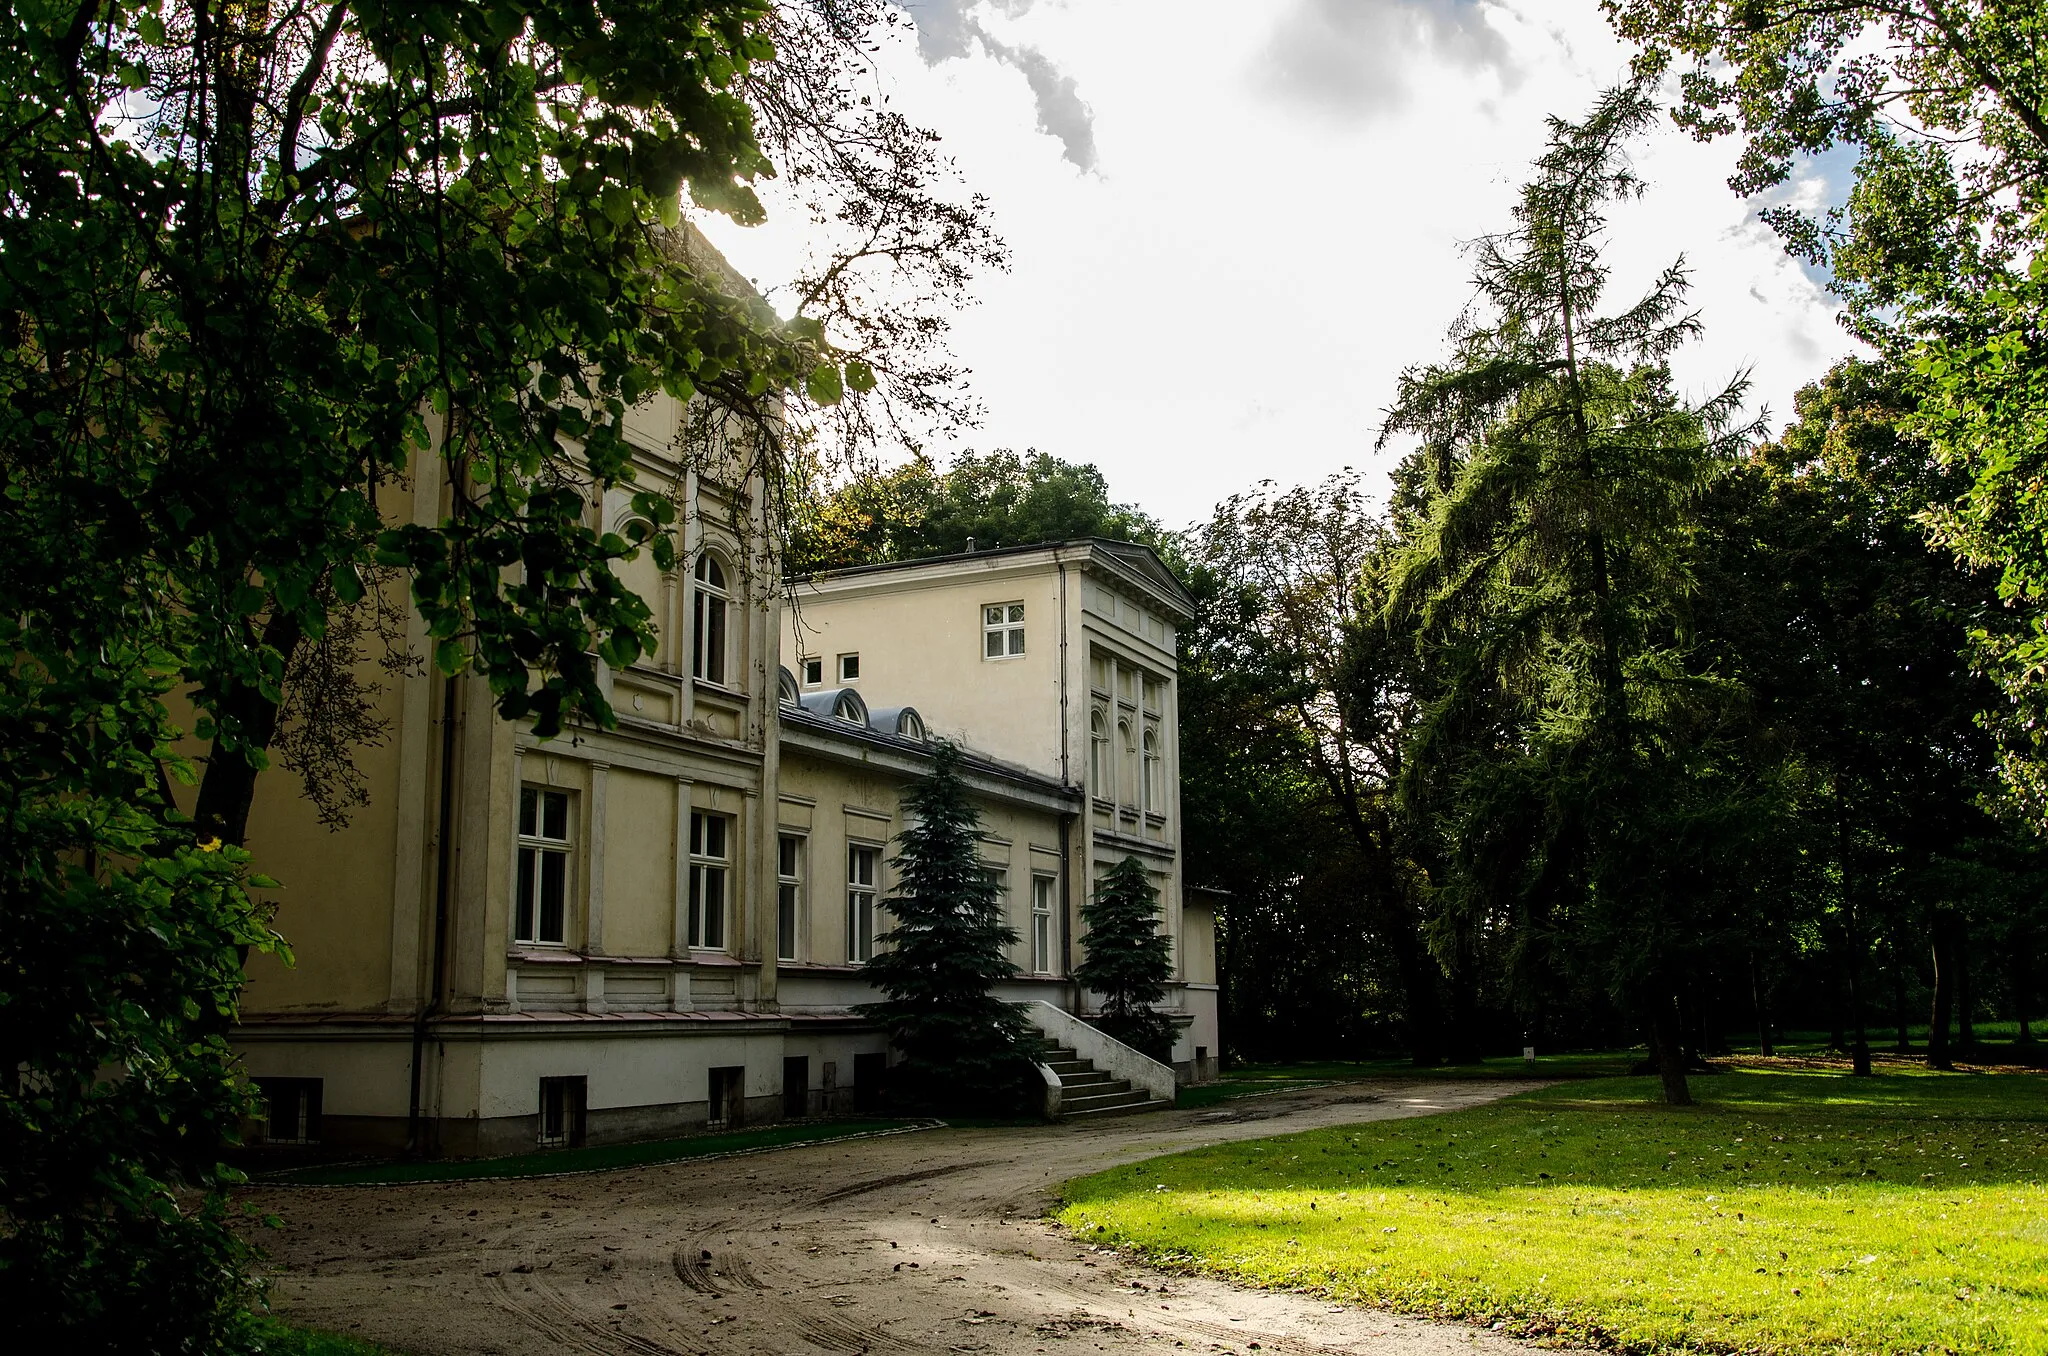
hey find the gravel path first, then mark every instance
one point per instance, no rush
(926, 1242)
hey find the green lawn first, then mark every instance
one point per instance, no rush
(1252, 1080)
(1789, 1212)
(557, 1161)
(283, 1339)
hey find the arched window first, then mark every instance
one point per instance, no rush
(708, 621)
(1153, 802)
(1098, 756)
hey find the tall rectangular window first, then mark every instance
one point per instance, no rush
(709, 835)
(863, 872)
(1002, 630)
(540, 911)
(708, 621)
(1041, 924)
(789, 884)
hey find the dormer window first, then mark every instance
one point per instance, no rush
(708, 621)
(1002, 630)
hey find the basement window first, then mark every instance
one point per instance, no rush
(291, 1110)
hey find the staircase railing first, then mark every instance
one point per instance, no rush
(1111, 1055)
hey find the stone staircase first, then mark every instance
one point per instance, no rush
(1086, 1091)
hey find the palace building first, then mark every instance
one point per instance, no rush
(661, 927)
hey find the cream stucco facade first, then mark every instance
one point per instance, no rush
(660, 927)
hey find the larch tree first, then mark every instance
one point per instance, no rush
(1129, 960)
(946, 949)
(1545, 580)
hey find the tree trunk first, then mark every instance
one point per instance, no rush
(1423, 1018)
(228, 790)
(1859, 1051)
(1966, 1019)
(1901, 1015)
(1667, 1048)
(1838, 1039)
(1763, 1016)
(2022, 966)
(1465, 1044)
(1942, 949)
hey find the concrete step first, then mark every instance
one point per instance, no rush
(1056, 1053)
(1138, 1106)
(1090, 1099)
(1080, 1076)
(1063, 1067)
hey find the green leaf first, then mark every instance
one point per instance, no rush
(823, 385)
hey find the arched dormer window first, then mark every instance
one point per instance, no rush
(1154, 803)
(786, 688)
(1098, 755)
(710, 606)
(901, 721)
(839, 703)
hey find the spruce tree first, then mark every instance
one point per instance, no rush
(1129, 959)
(961, 1046)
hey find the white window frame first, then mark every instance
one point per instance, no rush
(536, 848)
(849, 667)
(710, 621)
(1127, 758)
(813, 667)
(1042, 888)
(1002, 630)
(1149, 751)
(710, 894)
(1101, 769)
(863, 898)
(789, 895)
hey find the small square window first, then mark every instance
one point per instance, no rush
(291, 1110)
(849, 668)
(814, 672)
(1002, 630)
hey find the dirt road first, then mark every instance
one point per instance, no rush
(927, 1242)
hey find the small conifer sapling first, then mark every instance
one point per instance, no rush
(1129, 959)
(959, 1044)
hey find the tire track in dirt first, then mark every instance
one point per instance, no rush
(896, 1246)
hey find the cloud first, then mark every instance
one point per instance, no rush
(947, 30)
(1353, 57)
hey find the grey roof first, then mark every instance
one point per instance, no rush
(1136, 557)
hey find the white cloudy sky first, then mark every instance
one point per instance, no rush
(1235, 221)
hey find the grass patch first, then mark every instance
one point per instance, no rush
(286, 1339)
(1252, 1080)
(555, 1162)
(1790, 1211)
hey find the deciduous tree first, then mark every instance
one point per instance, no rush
(261, 266)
